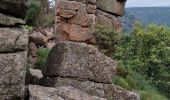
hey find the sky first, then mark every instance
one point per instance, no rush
(148, 3)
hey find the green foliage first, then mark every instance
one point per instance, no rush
(151, 95)
(107, 38)
(42, 54)
(28, 27)
(32, 12)
(137, 83)
(122, 82)
(148, 53)
(48, 20)
(143, 56)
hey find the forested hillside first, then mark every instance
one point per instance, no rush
(157, 15)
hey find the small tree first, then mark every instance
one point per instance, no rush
(107, 38)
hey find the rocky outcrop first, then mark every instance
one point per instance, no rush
(13, 59)
(76, 18)
(13, 49)
(12, 72)
(80, 61)
(16, 8)
(82, 67)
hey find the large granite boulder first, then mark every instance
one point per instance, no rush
(13, 39)
(16, 8)
(13, 59)
(59, 93)
(83, 67)
(81, 61)
(6, 20)
(112, 6)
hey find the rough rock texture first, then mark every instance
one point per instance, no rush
(81, 61)
(75, 18)
(12, 72)
(13, 39)
(33, 76)
(38, 38)
(10, 21)
(59, 93)
(13, 49)
(107, 19)
(116, 7)
(13, 59)
(108, 91)
(81, 66)
(32, 53)
(16, 8)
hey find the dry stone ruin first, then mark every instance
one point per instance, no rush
(75, 18)
(74, 71)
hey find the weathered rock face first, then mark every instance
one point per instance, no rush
(33, 76)
(107, 19)
(80, 61)
(13, 49)
(75, 18)
(59, 93)
(81, 66)
(108, 91)
(12, 72)
(38, 38)
(13, 59)
(116, 7)
(13, 39)
(16, 8)
(10, 21)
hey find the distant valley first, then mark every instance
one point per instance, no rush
(157, 15)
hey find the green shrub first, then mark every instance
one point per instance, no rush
(147, 51)
(42, 54)
(151, 95)
(137, 83)
(121, 82)
(48, 20)
(107, 38)
(32, 12)
(28, 27)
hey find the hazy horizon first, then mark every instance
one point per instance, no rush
(148, 3)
